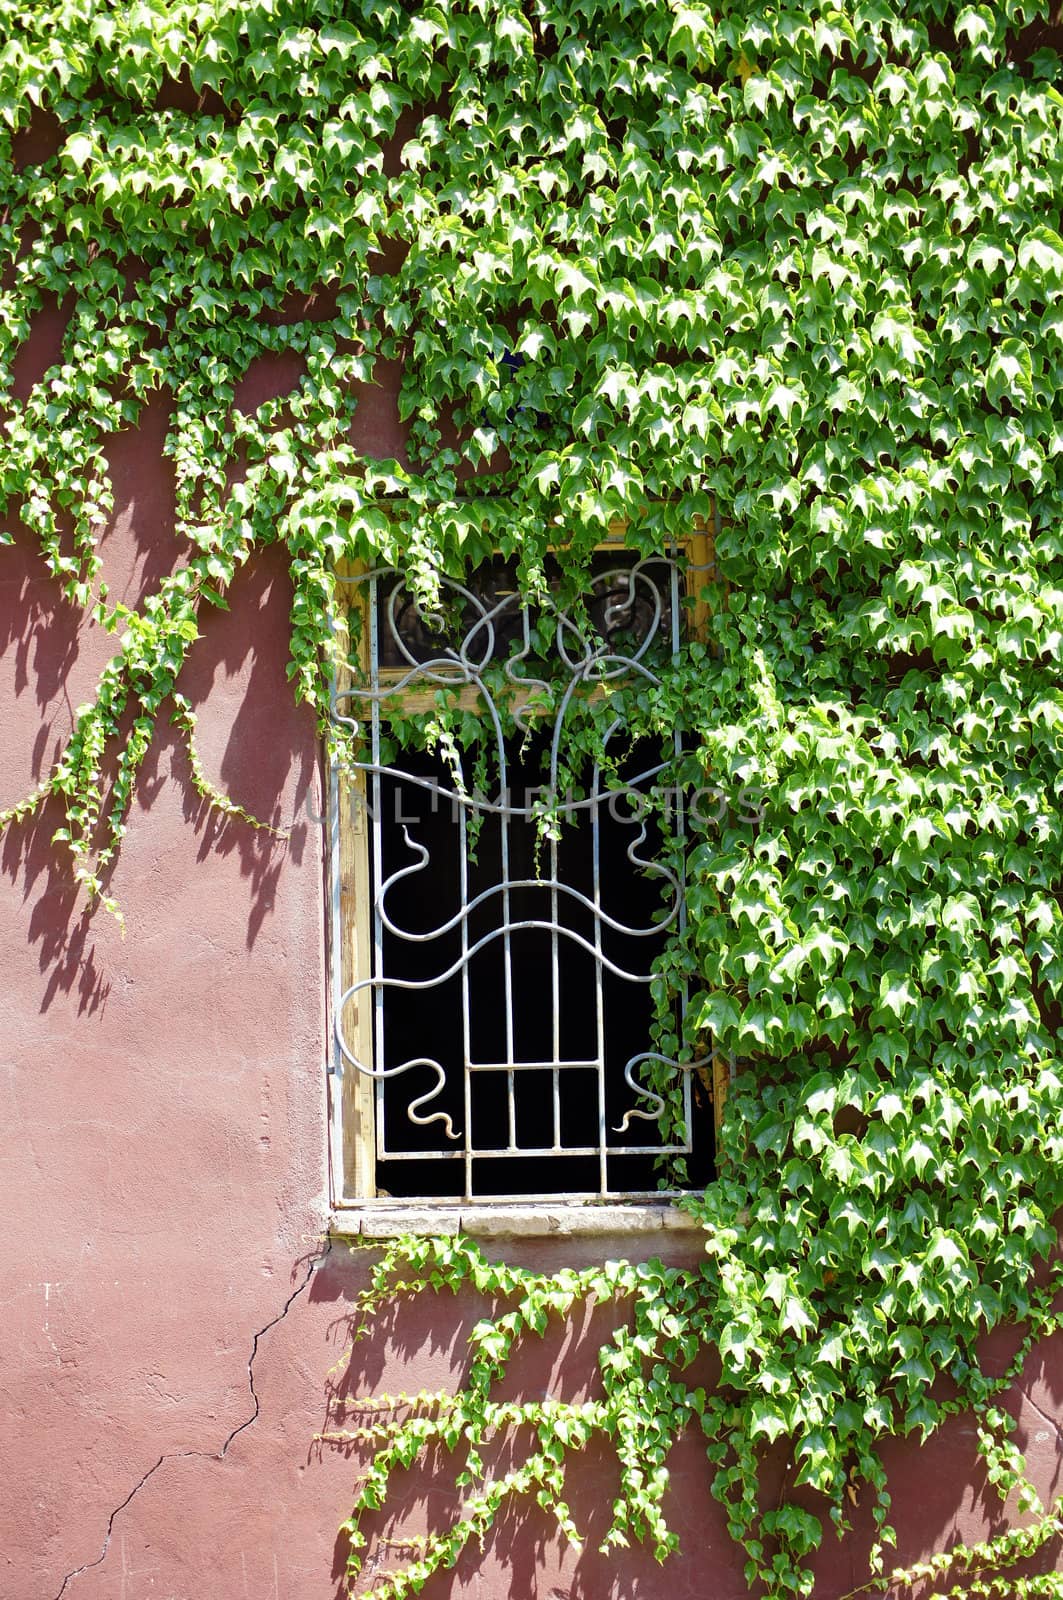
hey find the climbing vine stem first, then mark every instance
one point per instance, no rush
(636, 259)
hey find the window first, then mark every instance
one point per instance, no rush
(501, 896)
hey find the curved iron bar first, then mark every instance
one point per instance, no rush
(651, 1094)
(384, 1074)
(485, 895)
(525, 925)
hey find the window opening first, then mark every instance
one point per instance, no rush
(496, 1027)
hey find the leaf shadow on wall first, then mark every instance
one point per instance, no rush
(253, 742)
(47, 665)
(59, 922)
(51, 655)
(939, 1489)
(421, 1343)
(42, 633)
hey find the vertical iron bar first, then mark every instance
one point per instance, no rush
(555, 986)
(335, 1060)
(599, 983)
(466, 1031)
(681, 864)
(507, 943)
(377, 874)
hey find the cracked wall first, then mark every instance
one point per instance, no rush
(172, 1321)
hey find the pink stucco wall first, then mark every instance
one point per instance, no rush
(172, 1316)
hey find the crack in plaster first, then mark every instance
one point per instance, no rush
(206, 1455)
(1053, 1422)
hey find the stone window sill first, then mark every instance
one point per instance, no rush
(538, 1220)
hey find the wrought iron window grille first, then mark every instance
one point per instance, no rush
(494, 941)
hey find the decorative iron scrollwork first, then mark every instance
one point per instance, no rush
(518, 955)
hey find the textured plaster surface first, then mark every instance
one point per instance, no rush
(174, 1325)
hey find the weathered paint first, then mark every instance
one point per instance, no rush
(172, 1320)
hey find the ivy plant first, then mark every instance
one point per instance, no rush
(638, 259)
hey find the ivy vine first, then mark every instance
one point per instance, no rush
(803, 262)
